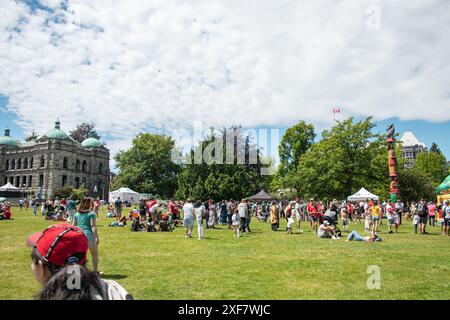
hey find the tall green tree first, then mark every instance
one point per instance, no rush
(295, 142)
(435, 148)
(433, 164)
(234, 174)
(147, 166)
(415, 185)
(342, 161)
(83, 131)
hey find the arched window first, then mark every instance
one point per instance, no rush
(13, 164)
(84, 167)
(31, 163)
(100, 167)
(42, 161)
(25, 163)
(7, 165)
(19, 164)
(65, 163)
(77, 165)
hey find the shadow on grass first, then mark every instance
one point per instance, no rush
(113, 276)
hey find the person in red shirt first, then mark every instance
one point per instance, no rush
(173, 210)
(6, 214)
(314, 215)
(350, 212)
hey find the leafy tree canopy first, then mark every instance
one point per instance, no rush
(83, 131)
(147, 167)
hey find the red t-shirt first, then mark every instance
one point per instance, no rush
(7, 213)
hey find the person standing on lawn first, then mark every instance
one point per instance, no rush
(71, 209)
(376, 213)
(422, 212)
(243, 214)
(432, 213)
(86, 219)
(118, 204)
(274, 216)
(188, 218)
(399, 210)
(446, 215)
(199, 212)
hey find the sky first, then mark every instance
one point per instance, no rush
(160, 66)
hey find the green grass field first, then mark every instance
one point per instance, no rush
(261, 265)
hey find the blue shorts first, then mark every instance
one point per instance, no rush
(188, 222)
(91, 239)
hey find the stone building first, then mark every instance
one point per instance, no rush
(54, 160)
(411, 147)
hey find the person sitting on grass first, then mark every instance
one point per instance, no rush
(59, 252)
(327, 231)
(5, 212)
(357, 237)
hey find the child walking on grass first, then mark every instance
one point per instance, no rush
(344, 218)
(416, 222)
(367, 220)
(236, 224)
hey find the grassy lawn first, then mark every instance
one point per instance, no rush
(261, 265)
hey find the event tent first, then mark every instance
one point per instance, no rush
(9, 187)
(443, 191)
(261, 196)
(444, 187)
(125, 194)
(362, 195)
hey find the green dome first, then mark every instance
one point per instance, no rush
(91, 143)
(6, 140)
(56, 133)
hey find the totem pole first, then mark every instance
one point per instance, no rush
(392, 161)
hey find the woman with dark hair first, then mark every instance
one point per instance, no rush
(199, 212)
(58, 264)
(86, 219)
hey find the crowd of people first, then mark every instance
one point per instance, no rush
(324, 219)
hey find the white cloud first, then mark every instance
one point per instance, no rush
(131, 65)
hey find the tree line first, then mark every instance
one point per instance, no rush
(348, 156)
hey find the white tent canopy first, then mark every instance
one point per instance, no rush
(9, 187)
(125, 194)
(362, 195)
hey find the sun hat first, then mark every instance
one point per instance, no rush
(60, 244)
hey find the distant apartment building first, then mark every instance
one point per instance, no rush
(411, 147)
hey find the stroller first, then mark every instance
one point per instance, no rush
(332, 218)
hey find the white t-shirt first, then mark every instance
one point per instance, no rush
(111, 291)
(235, 219)
(199, 213)
(321, 232)
(154, 208)
(188, 210)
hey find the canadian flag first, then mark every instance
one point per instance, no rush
(336, 110)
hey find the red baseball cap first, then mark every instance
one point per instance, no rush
(59, 242)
